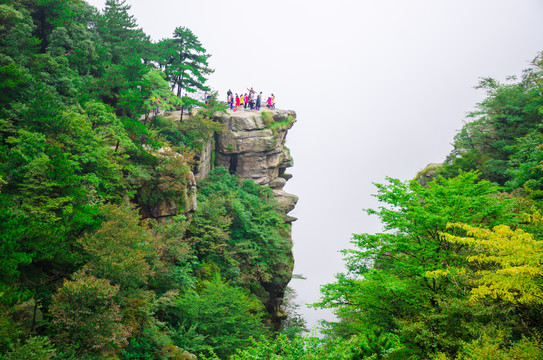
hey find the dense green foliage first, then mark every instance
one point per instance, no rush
(85, 157)
(88, 148)
(502, 136)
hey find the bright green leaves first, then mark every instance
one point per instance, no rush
(219, 318)
(413, 217)
(251, 243)
(374, 345)
(395, 278)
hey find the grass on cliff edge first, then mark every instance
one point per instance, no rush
(276, 126)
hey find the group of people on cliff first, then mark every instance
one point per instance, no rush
(250, 100)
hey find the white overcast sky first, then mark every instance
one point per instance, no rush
(380, 88)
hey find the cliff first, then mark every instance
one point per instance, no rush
(251, 147)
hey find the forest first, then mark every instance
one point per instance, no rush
(86, 147)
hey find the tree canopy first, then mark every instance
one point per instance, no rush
(87, 147)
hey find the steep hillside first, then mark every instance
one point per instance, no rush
(110, 245)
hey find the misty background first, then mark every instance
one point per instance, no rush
(380, 89)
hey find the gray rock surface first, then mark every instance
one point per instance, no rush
(205, 160)
(286, 176)
(278, 183)
(253, 146)
(286, 200)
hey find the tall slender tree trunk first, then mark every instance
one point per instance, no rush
(179, 93)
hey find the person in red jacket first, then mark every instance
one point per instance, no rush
(237, 102)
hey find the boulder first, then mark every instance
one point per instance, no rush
(278, 183)
(204, 161)
(286, 200)
(286, 176)
(427, 174)
(290, 219)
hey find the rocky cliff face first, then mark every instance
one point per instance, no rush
(253, 147)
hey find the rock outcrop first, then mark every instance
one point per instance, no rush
(166, 208)
(427, 174)
(253, 147)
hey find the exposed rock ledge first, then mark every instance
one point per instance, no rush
(253, 147)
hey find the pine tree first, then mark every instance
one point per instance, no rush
(186, 64)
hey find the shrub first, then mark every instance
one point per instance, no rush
(87, 317)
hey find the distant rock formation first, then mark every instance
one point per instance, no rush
(427, 174)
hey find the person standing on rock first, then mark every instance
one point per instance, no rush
(231, 101)
(251, 101)
(228, 94)
(273, 101)
(237, 102)
(241, 99)
(258, 101)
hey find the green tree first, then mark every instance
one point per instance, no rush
(18, 48)
(241, 229)
(86, 316)
(389, 283)
(517, 255)
(526, 165)
(186, 64)
(509, 112)
(36, 348)
(126, 45)
(219, 317)
(119, 31)
(120, 250)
